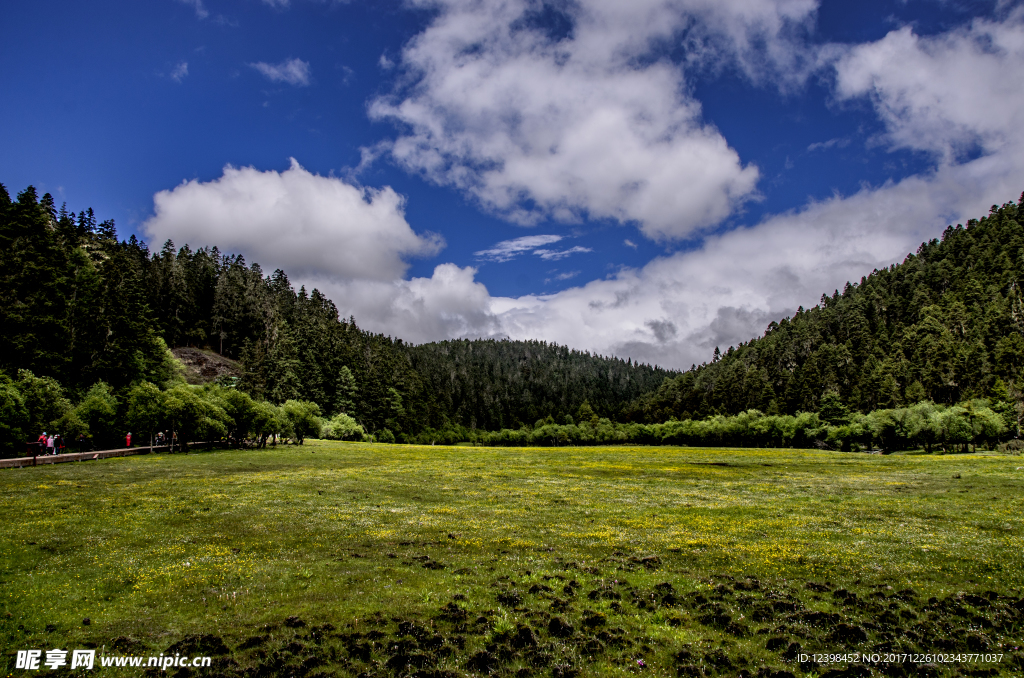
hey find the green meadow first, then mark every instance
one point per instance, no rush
(344, 559)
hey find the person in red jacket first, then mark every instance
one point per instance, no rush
(128, 439)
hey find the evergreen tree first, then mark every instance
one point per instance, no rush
(346, 392)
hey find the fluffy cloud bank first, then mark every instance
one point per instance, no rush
(950, 96)
(309, 225)
(576, 112)
(677, 308)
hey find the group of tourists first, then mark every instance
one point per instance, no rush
(55, 444)
(160, 439)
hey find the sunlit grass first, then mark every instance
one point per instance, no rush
(156, 547)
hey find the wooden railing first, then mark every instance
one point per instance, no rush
(41, 459)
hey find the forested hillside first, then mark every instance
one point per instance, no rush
(492, 384)
(81, 307)
(946, 325)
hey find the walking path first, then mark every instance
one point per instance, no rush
(78, 456)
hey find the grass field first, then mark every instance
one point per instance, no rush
(373, 560)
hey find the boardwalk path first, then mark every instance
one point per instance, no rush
(78, 456)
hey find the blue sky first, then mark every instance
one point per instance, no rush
(682, 171)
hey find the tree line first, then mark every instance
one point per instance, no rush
(925, 425)
(86, 320)
(86, 310)
(185, 413)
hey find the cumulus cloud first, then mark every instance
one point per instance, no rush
(291, 71)
(950, 95)
(571, 113)
(677, 308)
(309, 225)
(450, 303)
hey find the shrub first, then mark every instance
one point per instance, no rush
(342, 427)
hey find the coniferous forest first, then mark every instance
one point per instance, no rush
(81, 308)
(897, 358)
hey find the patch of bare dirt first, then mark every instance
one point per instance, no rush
(204, 366)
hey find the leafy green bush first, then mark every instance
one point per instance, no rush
(303, 417)
(342, 427)
(13, 418)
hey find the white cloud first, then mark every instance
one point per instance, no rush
(291, 71)
(309, 225)
(561, 277)
(277, 4)
(948, 95)
(448, 304)
(589, 122)
(200, 8)
(629, 243)
(677, 308)
(555, 255)
(838, 142)
(939, 95)
(506, 250)
(179, 72)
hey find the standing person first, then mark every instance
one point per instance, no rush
(128, 439)
(81, 442)
(57, 442)
(49, 445)
(41, 443)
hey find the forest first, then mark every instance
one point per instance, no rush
(945, 325)
(85, 315)
(927, 353)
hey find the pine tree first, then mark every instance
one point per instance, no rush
(347, 392)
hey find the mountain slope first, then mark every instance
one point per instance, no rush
(492, 384)
(947, 324)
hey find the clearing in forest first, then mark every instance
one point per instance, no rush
(336, 559)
